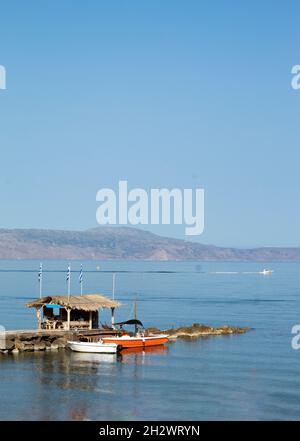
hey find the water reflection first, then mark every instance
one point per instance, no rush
(139, 355)
(82, 359)
(129, 356)
(83, 386)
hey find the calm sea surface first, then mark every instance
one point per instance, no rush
(254, 376)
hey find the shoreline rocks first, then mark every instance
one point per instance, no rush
(198, 330)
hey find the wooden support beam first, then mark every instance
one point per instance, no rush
(68, 318)
(39, 317)
(113, 317)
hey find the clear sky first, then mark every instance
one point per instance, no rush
(161, 93)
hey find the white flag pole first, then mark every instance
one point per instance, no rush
(69, 281)
(81, 280)
(41, 279)
(114, 283)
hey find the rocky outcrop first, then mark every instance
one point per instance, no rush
(198, 330)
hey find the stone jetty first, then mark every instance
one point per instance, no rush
(16, 341)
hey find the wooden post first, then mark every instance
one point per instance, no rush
(113, 318)
(69, 318)
(135, 310)
(39, 317)
(135, 315)
(91, 320)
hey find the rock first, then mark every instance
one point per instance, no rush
(28, 347)
(20, 345)
(4, 351)
(60, 342)
(154, 330)
(9, 344)
(39, 346)
(15, 351)
(54, 347)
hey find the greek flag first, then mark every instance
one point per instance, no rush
(40, 273)
(80, 275)
(69, 273)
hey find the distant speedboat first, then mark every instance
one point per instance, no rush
(266, 272)
(98, 347)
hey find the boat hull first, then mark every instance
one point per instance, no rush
(137, 342)
(95, 347)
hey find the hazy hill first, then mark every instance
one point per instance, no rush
(124, 243)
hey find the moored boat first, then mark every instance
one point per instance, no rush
(98, 347)
(139, 339)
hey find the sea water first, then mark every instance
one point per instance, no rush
(253, 376)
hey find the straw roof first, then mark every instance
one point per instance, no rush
(86, 302)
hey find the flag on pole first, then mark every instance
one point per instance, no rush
(69, 280)
(40, 274)
(69, 273)
(81, 279)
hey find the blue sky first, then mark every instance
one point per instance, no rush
(162, 94)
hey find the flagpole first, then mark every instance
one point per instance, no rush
(41, 279)
(113, 290)
(69, 281)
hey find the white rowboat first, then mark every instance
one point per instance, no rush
(96, 347)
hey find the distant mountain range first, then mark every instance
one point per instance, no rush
(124, 243)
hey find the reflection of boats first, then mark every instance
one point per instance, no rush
(138, 339)
(93, 358)
(146, 350)
(266, 272)
(90, 358)
(98, 347)
(145, 355)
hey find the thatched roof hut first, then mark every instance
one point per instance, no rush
(74, 311)
(86, 302)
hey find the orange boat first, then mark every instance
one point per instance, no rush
(139, 339)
